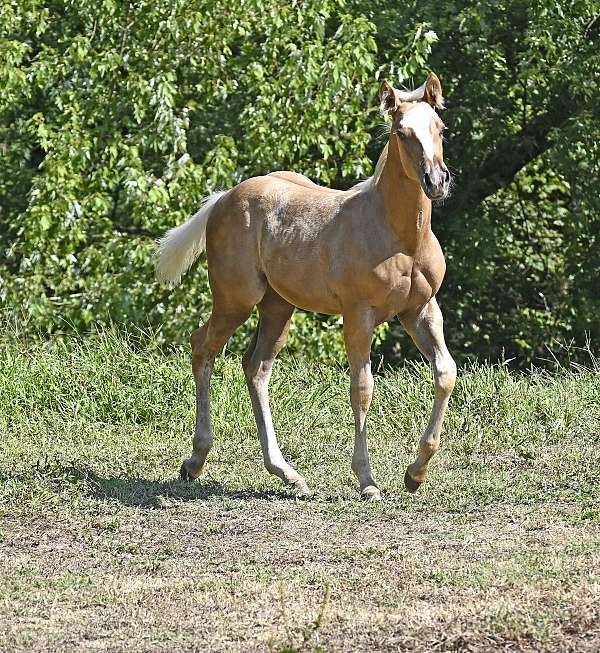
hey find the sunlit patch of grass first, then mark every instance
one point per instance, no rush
(108, 418)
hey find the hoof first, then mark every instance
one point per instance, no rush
(301, 489)
(409, 482)
(184, 474)
(371, 493)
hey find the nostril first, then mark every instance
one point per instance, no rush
(427, 179)
(446, 175)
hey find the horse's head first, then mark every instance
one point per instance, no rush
(418, 130)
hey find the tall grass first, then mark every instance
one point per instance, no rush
(112, 407)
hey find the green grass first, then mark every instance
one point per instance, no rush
(100, 546)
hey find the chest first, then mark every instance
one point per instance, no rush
(403, 283)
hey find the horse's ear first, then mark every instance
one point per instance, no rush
(388, 97)
(433, 92)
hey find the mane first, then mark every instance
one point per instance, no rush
(413, 96)
(369, 182)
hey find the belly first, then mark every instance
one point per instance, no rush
(304, 284)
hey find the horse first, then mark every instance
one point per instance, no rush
(280, 241)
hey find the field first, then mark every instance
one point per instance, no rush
(100, 549)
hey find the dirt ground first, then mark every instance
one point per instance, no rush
(273, 574)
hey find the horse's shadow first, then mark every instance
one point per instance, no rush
(141, 492)
(138, 491)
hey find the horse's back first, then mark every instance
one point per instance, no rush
(278, 200)
(301, 180)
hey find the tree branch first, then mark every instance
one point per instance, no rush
(514, 152)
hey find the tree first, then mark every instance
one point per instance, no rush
(521, 228)
(117, 118)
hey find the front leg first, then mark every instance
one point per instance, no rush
(427, 331)
(358, 334)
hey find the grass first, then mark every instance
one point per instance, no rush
(101, 549)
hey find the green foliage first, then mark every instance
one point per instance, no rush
(520, 232)
(117, 118)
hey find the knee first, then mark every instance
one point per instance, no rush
(445, 374)
(256, 372)
(362, 383)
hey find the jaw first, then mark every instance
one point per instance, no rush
(418, 173)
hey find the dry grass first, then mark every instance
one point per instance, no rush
(209, 575)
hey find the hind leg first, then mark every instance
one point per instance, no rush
(237, 284)
(359, 323)
(207, 342)
(236, 290)
(275, 314)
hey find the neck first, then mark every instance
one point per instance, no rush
(406, 207)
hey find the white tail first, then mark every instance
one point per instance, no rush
(182, 245)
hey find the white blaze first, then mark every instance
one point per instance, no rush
(419, 120)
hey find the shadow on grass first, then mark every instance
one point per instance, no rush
(135, 491)
(159, 494)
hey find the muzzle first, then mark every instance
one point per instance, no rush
(435, 181)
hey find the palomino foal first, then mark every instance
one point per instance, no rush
(368, 253)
